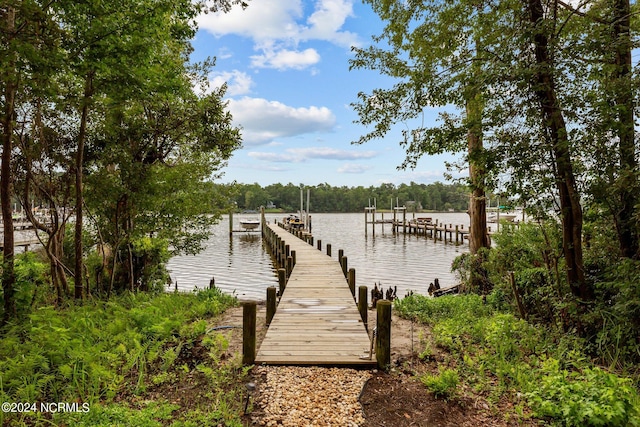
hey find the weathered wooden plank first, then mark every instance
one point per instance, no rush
(317, 321)
(312, 360)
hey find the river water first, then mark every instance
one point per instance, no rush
(241, 266)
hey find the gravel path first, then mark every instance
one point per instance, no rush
(309, 396)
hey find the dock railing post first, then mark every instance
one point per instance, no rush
(329, 249)
(362, 305)
(282, 280)
(271, 304)
(352, 280)
(249, 333)
(289, 265)
(383, 339)
(343, 263)
(319, 244)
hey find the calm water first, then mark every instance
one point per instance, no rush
(241, 266)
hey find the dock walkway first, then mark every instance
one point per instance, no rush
(317, 321)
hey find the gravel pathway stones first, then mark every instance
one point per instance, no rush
(291, 396)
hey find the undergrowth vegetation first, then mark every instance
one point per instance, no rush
(546, 373)
(137, 359)
(556, 358)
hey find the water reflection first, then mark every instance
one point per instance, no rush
(245, 268)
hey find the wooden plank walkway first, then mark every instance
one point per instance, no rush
(317, 321)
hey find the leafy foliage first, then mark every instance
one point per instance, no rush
(592, 397)
(443, 384)
(500, 355)
(93, 352)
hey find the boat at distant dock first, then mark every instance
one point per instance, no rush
(250, 224)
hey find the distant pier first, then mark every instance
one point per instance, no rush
(422, 225)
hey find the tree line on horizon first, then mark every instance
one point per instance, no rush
(327, 198)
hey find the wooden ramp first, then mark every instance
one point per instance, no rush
(317, 321)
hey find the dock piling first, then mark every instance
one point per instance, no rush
(352, 280)
(282, 280)
(345, 271)
(271, 304)
(383, 340)
(248, 333)
(362, 305)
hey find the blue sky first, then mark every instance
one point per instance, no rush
(286, 64)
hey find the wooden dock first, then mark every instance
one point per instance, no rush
(317, 321)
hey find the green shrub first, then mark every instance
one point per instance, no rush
(431, 310)
(591, 397)
(444, 384)
(85, 352)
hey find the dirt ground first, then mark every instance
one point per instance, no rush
(396, 398)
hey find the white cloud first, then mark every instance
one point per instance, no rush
(285, 59)
(238, 82)
(331, 153)
(326, 21)
(277, 27)
(353, 168)
(298, 155)
(262, 20)
(263, 120)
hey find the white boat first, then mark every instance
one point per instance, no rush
(250, 224)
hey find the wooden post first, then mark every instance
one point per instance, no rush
(393, 226)
(352, 280)
(340, 255)
(457, 234)
(230, 223)
(383, 339)
(404, 220)
(293, 256)
(212, 283)
(282, 280)
(319, 244)
(366, 218)
(271, 304)
(329, 249)
(362, 305)
(249, 333)
(311, 240)
(283, 258)
(345, 271)
(287, 251)
(289, 265)
(277, 251)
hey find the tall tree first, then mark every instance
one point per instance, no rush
(435, 52)
(9, 78)
(627, 223)
(554, 125)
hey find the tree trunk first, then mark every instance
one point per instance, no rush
(556, 132)
(624, 126)
(478, 237)
(6, 178)
(79, 164)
